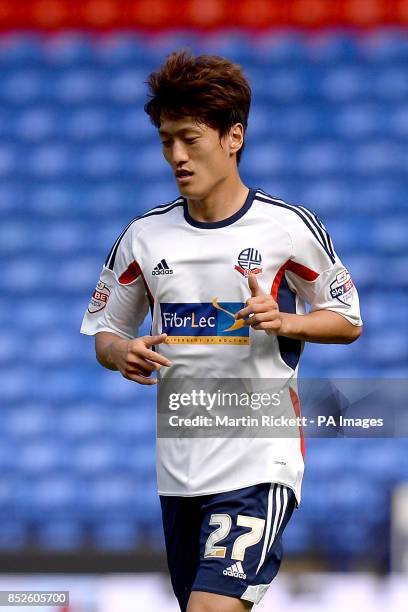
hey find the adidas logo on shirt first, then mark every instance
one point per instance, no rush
(235, 570)
(162, 268)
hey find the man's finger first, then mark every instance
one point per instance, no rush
(250, 309)
(155, 357)
(152, 355)
(260, 317)
(153, 340)
(253, 285)
(142, 380)
(145, 366)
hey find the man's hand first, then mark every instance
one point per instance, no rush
(323, 326)
(134, 358)
(261, 309)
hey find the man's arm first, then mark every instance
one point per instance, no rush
(323, 326)
(133, 358)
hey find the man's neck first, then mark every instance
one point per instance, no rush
(224, 200)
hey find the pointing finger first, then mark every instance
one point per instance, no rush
(153, 340)
(253, 286)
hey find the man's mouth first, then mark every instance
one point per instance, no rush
(183, 175)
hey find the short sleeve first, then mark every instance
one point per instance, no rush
(316, 273)
(120, 301)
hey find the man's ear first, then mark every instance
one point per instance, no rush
(236, 138)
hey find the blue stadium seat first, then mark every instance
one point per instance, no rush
(42, 456)
(390, 84)
(139, 458)
(361, 121)
(19, 49)
(317, 159)
(298, 537)
(331, 48)
(11, 347)
(389, 236)
(127, 87)
(377, 156)
(327, 196)
(121, 49)
(137, 420)
(384, 46)
(286, 85)
(13, 198)
(160, 44)
(383, 461)
(350, 538)
(89, 124)
(271, 159)
(49, 496)
(77, 275)
(7, 494)
(30, 421)
(68, 49)
(394, 267)
(22, 87)
(13, 535)
(345, 83)
(51, 161)
(60, 535)
(35, 125)
(81, 85)
(275, 48)
(117, 535)
(238, 46)
(150, 165)
(52, 200)
(378, 312)
(398, 122)
(82, 421)
(133, 125)
(95, 457)
(113, 495)
(16, 384)
(102, 161)
(8, 160)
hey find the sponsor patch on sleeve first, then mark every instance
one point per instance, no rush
(99, 298)
(342, 288)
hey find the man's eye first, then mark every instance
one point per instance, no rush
(191, 140)
(165, 143)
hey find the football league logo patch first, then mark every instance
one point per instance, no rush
(342, 287)
(249, 261)
(99, 298)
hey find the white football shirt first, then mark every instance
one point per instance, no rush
(193, 277)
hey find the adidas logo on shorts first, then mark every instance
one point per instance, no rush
(161, 268)
(235, 571)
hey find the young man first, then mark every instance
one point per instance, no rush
(220, 252)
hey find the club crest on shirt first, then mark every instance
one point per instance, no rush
(249, 261)
(342, 288)
(99, 298)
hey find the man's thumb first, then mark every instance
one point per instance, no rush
(253, 286)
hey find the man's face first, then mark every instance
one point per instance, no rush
(198, 159)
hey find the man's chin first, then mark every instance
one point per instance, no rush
(191, 192)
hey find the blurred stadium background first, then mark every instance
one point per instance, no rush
(78, 159)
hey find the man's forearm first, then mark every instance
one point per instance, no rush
(322, 326)
(103, 348)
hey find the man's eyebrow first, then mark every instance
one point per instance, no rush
(180, 131)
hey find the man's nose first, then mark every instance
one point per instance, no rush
(178, 153)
